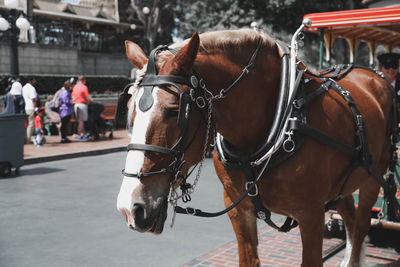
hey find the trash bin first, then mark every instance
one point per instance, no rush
(12, 134)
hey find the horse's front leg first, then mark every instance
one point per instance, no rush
(243, 221)
(311, 223)
(245, 226)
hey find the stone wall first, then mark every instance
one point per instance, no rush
(44, 59)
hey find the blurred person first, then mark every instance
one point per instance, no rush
(389, 66)
(39, 127)
(52, 116)
(30, 98)
(81, 98)
(66, 109)
(14, 101)
(72, 81)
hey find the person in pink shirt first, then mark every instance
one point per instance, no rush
(81, 98)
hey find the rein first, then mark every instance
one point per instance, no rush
(289, 118)
(199, 95)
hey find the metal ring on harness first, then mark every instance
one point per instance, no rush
(190, 213)
(255, 187)
(201, 103)
(194, 81)
(261, 215)
(288, 145)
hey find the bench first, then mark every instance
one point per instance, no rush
(108, 113)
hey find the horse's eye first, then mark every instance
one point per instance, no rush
(171, 113)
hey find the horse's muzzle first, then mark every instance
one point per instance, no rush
(143, 220)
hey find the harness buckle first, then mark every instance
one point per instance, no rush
(192, 94)
(255, 188)
(345, 93)
(201, 103)
(202, 84)
(178, 175)
(187, 111)
(360, 121)
(261, 215)
(186, 198)
(222, 94)
(190, 211)
(194, 81)
(298, 103)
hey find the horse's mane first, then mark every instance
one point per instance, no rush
(222, 40)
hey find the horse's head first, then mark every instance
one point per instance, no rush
(165, 119)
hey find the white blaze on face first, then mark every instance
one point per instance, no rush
(135, 159)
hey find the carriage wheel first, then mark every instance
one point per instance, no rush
(5, 169)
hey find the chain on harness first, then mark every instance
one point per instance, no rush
(199, 95)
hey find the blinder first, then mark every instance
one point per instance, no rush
(184, 110)
(146, 101)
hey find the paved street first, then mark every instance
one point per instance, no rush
(63, 213)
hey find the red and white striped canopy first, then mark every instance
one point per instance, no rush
(355, 17)
(376, 25)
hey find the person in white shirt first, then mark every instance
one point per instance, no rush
(30, 97)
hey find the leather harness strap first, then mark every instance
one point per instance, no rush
(359, 153)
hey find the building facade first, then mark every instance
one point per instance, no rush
(71, 37)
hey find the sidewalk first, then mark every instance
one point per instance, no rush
(54, 150)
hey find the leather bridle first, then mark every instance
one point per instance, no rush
(198, 95)
(186, 101)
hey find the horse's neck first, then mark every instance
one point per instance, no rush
(245, 115)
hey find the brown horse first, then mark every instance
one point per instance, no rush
(166, 141)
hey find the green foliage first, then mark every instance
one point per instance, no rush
(282, 15)
(286, 15)
(206, 15)
(279, 18)
(180, 18)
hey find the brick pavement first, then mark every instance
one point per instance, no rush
(284, 250)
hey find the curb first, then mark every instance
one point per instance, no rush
(74, 155)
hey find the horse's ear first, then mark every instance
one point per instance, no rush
(135, 54)
(183, 61)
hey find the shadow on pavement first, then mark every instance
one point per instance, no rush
(39, 171)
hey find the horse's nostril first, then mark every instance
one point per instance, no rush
(139, 211)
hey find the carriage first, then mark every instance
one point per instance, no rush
(373, 26)
(288, 140)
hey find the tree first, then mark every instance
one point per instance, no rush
(278, 17)
(180, 18)
(286, 15)
(157, 18)
(206, 15)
